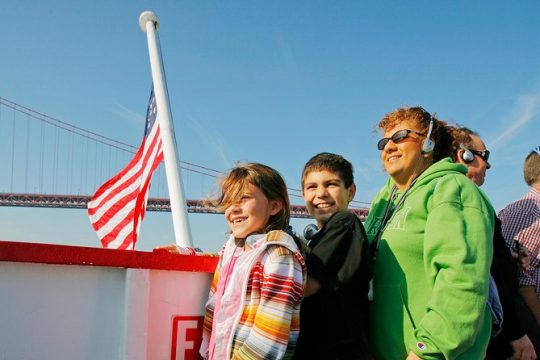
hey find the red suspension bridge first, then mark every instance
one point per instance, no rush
(51, 163)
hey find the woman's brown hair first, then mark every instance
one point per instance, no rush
(441, 133)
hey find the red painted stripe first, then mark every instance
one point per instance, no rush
(80, 255)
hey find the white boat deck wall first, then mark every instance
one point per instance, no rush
(84, 309)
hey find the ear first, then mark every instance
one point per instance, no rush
(460, 156)
(275, 207)
(352, 191)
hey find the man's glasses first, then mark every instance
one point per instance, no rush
(397, 137)
(483, 154)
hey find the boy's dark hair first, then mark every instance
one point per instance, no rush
(330, 162)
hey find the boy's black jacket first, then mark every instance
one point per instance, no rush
(333, 257)
(333, 321)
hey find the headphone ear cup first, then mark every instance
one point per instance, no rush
(467, 156)
(427, 146)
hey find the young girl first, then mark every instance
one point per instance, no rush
(254, 304)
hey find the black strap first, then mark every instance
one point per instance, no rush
(389, 212)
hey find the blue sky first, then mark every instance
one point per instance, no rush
(273, 82)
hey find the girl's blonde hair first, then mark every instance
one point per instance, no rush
(268, 180)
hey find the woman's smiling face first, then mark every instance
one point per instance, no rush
(404, 160)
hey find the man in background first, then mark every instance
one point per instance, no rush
(512, 342)
(521, 230)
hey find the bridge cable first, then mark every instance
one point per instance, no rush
(89, 135)
(41, 157)
(27, 153)
(12, 151)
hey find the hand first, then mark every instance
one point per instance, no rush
(523, 349)
(413, 356)
(523, 258)
(312, 286)
(175, 249)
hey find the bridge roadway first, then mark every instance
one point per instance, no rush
(154, 204)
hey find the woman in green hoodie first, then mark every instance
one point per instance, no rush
(430, 229)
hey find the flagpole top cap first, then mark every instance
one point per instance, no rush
(147, 16)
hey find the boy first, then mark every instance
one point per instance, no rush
(333, 313)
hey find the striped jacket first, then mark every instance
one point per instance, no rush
(267, 322)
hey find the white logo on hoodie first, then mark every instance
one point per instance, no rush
(399, 219)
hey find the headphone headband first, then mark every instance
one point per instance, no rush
(428, 145)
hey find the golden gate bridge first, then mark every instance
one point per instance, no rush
(53, 164)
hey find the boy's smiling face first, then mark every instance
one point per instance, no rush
(324, 194)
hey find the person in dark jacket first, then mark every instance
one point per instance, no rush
(333, 314)
(512, 342)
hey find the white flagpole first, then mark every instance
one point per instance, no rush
(149, 23)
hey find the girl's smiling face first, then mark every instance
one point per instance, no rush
(251, 213)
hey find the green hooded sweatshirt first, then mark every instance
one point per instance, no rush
(431, 273)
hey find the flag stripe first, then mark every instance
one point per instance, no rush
(132, 177)
(112, 184)
(122, 217)
(105, 212)
(119, 189)
(140, 207)
(118, 207)
(117, 229)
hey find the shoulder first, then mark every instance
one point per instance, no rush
(341, 231)
(280, 244)
(509, 210)
(339, 224)
(342, 218)
(521, 207)
(276, 250)
(282, 259)
(383, 192)
(458, 189)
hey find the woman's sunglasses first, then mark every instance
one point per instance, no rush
(397, 137)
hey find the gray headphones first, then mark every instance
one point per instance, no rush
(428, 145)
(467, 156)
(310, 231)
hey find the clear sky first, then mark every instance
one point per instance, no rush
(273, 82)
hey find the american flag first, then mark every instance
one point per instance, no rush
(117, 208)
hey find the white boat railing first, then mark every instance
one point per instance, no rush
(70, 302)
